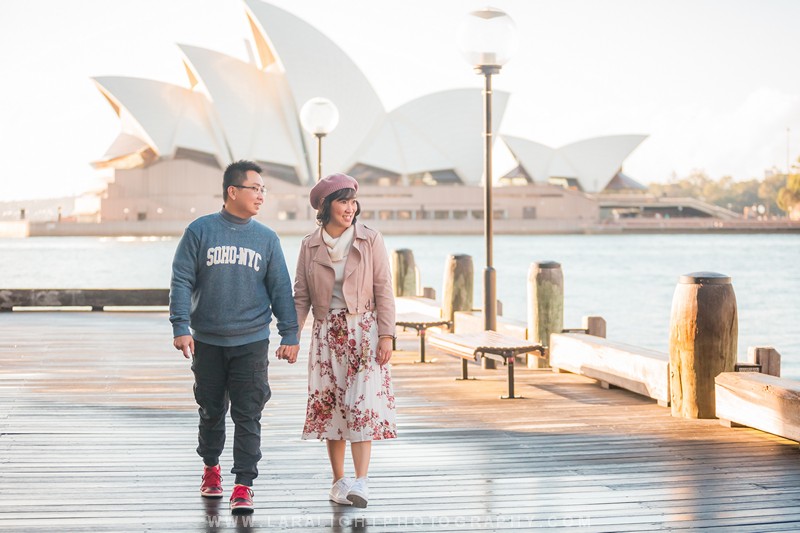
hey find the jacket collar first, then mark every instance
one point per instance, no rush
(321, 254)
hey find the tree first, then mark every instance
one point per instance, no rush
(725, 192)
(768, 191)
(789, 195)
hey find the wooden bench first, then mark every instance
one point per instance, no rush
(760, 401)
(97, 299)
(636, 369)
(473, 321)
(421, 323)
(488, 344)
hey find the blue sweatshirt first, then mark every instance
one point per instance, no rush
(228, 277)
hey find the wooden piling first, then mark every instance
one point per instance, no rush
(457, 287)
(703, 341)
(545, 306)
(768, 357)
(594, 325)
(404, 273)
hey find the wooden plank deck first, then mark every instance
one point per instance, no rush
(98, 430)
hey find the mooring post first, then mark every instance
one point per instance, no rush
(457, 285)
(703, 340)
(404, 274)
(545, 306)
(768, 357)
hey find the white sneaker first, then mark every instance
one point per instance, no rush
(359, 493)
(339, 490)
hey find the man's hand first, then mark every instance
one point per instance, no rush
(184, 344)
(384, 350)
(288, 352)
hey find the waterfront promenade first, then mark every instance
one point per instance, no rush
(402, 226)
(97, 433)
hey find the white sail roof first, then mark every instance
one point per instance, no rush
(536, 156)
(250, 107)
(164, 116)
(315, 66)
(439, 131)
(593, 162)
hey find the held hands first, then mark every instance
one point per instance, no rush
(384, 350)
(185, 345)
(288, 352)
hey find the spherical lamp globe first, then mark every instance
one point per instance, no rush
(487, 37)
(319, 116)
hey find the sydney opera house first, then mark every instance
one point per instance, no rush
(418, 163)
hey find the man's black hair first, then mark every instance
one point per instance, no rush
(236, 174)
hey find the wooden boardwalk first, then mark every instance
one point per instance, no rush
(98, 430)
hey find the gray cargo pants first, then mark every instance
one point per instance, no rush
(235, 376)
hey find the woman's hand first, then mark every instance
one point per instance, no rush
(384, 350)
(288, 352)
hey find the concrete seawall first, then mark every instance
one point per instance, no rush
(431, 227)
(14, 229)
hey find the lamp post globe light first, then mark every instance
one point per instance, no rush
(319, 117)
(487, 38)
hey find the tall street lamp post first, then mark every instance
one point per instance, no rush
(487, 39)
(319, 117)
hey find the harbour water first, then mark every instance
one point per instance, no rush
(627, 279)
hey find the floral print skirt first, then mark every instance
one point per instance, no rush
(350, 395)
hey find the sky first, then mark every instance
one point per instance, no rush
(714, 83)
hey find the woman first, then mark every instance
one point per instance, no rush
(343, 278)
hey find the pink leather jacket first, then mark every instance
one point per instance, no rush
(367, 282)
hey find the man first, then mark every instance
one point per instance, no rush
(228, 277)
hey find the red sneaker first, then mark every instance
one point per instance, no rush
(212, 482)
(242, 499)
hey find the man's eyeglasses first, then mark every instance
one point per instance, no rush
(262, 190)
